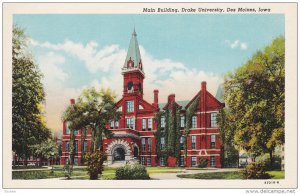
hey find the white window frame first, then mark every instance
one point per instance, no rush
(194, 121)
(149, 144)
(144, 124)
(148, 161)
(130, 122)
(194, 161)
(162, 161)
(162, 122)
(85, 146)
(181, 161)
(149, 124)
(162, 143)
(112, 124)
(194, 140)
(212, 161)
(130, 106)
(143, 144)
(143, 160)
(213, 141)
(68, 131)
(213, 119)
(182, 140)
(67, 146)
(182, 121)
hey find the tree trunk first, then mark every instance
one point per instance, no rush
(271, 159)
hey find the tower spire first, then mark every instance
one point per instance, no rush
(133, 59)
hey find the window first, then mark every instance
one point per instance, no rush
(67, 146)
(112, 124)
(150, 124)
(67, 129)
(193, 142)
(213, 141)
(194, 161)
(162, 161)
(143, 160)
(213, 119)
(76, 132)
(162, 143)
(143, 124)
(76, 161)
(163, 122)
(129, 123)
(85, 146)
(212, 161)
(76, 147)
(181, 161)
(182, 143)
(129, 105)
(149, 144)
(148, 161)
(182, 121)
(194, 122)
(117, 124)
(143, 144)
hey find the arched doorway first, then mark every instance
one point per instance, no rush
(119, 154)
(135, 152)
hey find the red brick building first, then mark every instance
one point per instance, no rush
(134, 134)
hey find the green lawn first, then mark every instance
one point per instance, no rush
(228, 175)
(79, 172)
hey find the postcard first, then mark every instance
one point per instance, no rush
(172, 95)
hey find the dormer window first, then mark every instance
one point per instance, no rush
(130, 63)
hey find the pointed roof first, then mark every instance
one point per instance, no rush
(133, 52)
(220, 93)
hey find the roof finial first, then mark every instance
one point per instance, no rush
(134, 33)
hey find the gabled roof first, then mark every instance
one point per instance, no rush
(133, 52)
(181, 103)
(220, 93)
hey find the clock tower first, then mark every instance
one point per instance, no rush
(132, 70)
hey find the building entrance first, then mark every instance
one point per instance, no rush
(119, 154)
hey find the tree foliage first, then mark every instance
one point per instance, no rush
(46, 150)
(28, 96)
(92, 110)
(255, 95)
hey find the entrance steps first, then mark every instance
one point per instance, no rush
(123, 162)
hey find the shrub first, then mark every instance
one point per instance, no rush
(132, 172)
(94, 163)
(256, 171)
(202, 163)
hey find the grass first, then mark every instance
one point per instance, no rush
(228, 175)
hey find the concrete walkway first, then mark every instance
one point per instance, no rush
(172, 176)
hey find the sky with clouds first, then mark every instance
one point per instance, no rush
(178, 51)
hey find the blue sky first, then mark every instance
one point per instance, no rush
(77, 51)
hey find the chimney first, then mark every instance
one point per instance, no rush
(155, 98)
(203, 86)
(72, 101)
(171, 98)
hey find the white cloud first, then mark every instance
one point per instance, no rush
(237, 44)
(165, 74)
(95, 58)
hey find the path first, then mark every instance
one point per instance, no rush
(170, 176)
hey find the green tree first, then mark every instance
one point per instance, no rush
(227, 128)
(28, 96)
(255, 96)
(46, 150)
(93, 109)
